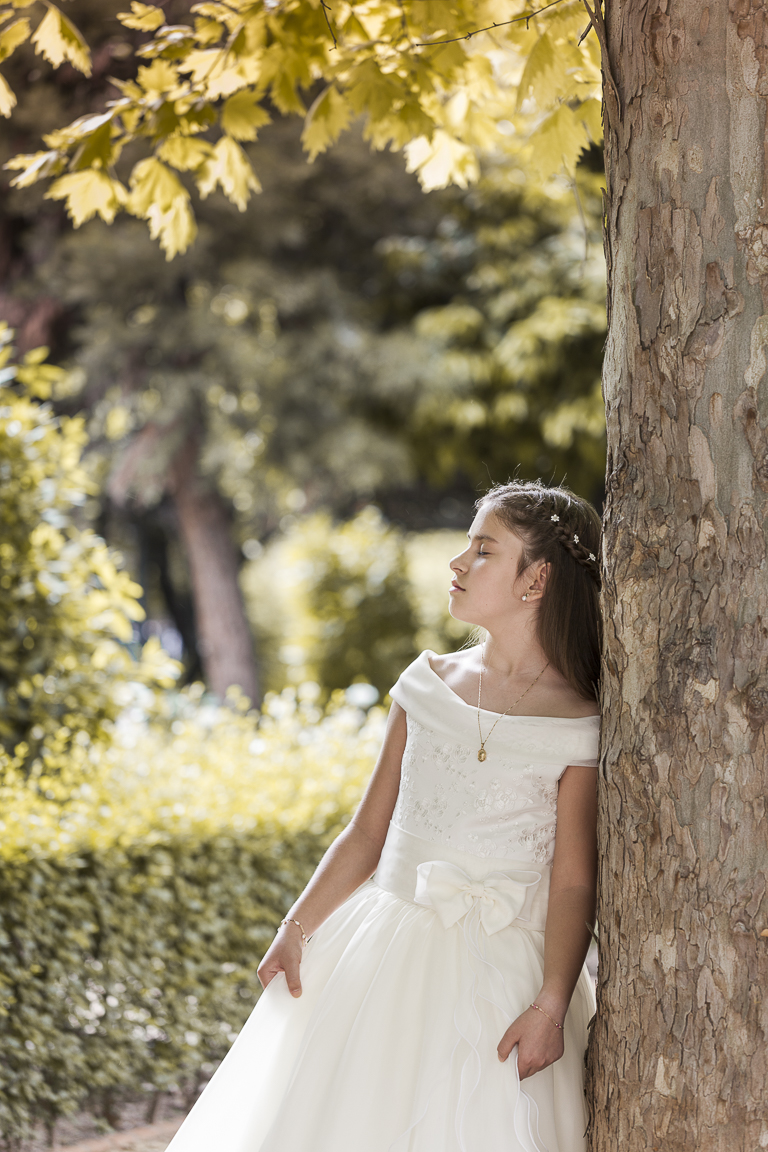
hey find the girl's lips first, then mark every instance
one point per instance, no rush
(456, 587)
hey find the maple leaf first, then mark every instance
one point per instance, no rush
(159, 197)
(175, 227)
(7, 98)
(185, 152)
(242, 116)
(441, 161)
(12, 36)
(89, 193)
(142, 17)
(539, 69)
(35, 166)
(57, 39)
(326, 120)
(229, 167)
(559, 140)
(158, 78)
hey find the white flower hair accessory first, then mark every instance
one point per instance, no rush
(555, 518)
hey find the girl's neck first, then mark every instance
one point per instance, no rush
(513, 653)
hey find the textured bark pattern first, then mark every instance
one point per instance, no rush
(223, 635)
(678, 1059)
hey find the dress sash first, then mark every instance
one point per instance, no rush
(523, 887)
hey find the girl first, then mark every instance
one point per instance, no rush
(426, 993)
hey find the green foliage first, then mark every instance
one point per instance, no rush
(423, 80)
(342, 348)
(346, 602)
(65, 607)
(134, 918)
(333, 602)
(512, 379)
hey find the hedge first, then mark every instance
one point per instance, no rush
(132, 920)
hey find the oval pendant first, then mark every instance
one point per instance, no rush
(481, 755)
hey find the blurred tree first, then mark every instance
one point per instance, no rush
(275, 367)
(282, 350)
(512, 381)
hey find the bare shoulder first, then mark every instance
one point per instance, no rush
(452, 663)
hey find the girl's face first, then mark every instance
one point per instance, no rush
(486, 589)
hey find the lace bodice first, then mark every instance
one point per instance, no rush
(505, 806)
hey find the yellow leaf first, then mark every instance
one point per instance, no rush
(153, 184)
(34, 166)
(89, 193)
(229, 167)
(36, 355)
(242, 116)
(213, 73)
(158, 196)
(12, 36)
(558, 141)
(208, 31)
(326, 120)
(160, 77)
(442, 161)
(175, 227)
(540, 63)
(185, 152)
(57, 39)
(7, 98)
(142, 17)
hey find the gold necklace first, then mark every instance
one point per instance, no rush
(481, 752)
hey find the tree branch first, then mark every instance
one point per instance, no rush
(612, 98)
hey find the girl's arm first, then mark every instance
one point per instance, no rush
(566, 940)
(350, 860)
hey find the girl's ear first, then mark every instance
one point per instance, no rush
(540, 574)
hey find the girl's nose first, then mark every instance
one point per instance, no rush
(458, 564)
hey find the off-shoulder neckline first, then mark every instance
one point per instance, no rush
(562, 719)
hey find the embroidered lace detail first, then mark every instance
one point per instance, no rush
(491, 808)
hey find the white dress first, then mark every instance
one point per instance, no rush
(409, 986)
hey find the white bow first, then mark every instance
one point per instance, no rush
(499, 897)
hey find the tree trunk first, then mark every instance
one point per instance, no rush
(223, 634)
(678, 1059)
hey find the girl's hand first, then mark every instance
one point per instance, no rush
(539, 1042)
(283, 955)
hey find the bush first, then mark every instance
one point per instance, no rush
(351, 601)
(66, 609)
(134, 917)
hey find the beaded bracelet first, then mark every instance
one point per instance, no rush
(547, 1015)
(303, 933)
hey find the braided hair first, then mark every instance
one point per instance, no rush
(561, 529)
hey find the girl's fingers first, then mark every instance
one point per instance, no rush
(265, 973)
(507, 1043)
(291, 970)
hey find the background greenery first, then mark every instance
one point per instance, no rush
(348, 364)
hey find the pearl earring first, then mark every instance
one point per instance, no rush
(525, 596)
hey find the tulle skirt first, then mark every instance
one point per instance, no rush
(392, 1045)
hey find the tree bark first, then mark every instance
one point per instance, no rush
(678, 1057)
(223, 633)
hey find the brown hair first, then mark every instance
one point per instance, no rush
(562, 530)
